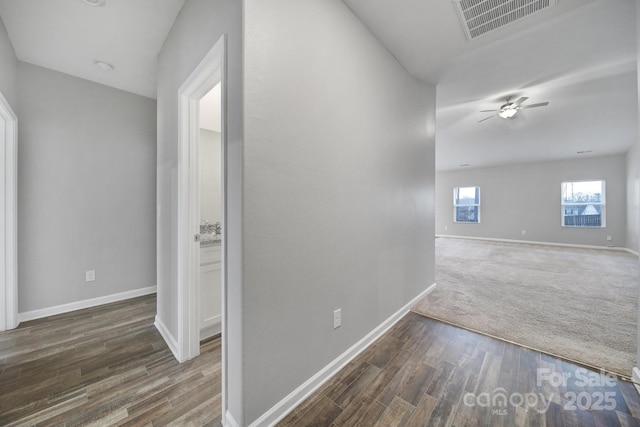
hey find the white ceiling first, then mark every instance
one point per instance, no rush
(580, 56)
(69, 35)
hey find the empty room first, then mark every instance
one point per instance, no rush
(319, 213)
(539, 187)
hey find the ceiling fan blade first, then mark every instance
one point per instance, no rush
(521, 100)
(488, 111)
(486, 118)
(541, 104)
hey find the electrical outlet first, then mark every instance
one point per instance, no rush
(524, 232)
(337, 318)
(90, 276)
(445, 228)
(609, 238)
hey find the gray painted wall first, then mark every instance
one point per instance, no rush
(197, 28)
(527, 197)
(339, 187)
(8, 67)
(86, 189)
(210, 176)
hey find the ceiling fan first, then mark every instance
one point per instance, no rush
(510, 109)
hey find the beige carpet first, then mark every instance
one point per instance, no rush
(579, 304)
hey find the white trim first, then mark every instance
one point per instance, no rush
(9, 318)
(167, 336)
(533, 242)
(631, 251)
(206, 75)
(87, 303)
(296, 397)
(210, 71)
(211, 327)
(635, 378)
(229, 421)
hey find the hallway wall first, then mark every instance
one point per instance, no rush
(338, 194)
(86, 189)
(8, 67)
(199, 25)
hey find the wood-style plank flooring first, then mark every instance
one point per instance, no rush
(104, 366)
(427, 373)
(109, 366)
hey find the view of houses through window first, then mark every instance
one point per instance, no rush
(466, 204)
(583, 204)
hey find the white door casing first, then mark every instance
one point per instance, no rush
(8, 217)
(208, 73)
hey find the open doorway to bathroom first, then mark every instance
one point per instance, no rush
(202, 312)
(210, 165)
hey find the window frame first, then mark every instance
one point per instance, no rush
(602, 204)
(456, 191)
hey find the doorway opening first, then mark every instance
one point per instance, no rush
(210, 73)
(210, 192)
(8, 217)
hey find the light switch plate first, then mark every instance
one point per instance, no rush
(337, 318)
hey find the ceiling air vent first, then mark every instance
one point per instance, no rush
(479, 17)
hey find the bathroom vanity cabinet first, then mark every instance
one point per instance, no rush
(210, 289)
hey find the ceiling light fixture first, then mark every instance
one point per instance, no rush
(509, 110)
(94, 2)
(104, 66)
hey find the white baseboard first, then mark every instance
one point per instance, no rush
(296, 397)
(632, 252)
(172, 343)
(88, 303)
(211, 327)
(635, 377)
(534, 242)
(229, 421)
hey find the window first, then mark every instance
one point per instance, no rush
(466, 204)
(583, 204)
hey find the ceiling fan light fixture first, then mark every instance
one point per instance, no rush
(510, 109)
(508, 112)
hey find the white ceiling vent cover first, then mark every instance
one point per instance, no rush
(479, 17)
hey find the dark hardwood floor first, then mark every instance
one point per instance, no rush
(426, 373)
(109, 366)
(104, 366)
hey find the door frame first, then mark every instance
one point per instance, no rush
(8, 216)
(210, 72)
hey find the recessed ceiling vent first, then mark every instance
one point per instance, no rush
(479, 17)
